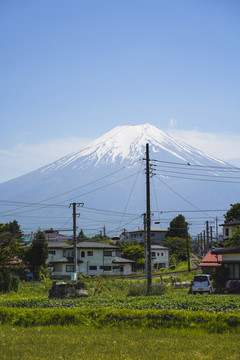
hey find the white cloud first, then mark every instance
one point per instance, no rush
(224, 146)
(24, 158)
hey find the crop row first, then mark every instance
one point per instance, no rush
(99, 318)
(213, 303)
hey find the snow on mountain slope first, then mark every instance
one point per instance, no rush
(109, 175)
(129, 143)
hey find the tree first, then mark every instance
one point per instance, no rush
(177, 247)
(177, 227)
(10, 247)
(81, 236)
(134, 252)
(233, 213)
(37, 254)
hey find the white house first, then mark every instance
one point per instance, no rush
(228, 229)
(157, 235)
(160, 257)
(93, 258)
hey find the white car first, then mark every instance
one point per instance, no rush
(202, 283)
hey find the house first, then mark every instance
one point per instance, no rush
(53, 235)
(157, 235)
(230, 258)
(210, 262)
(93, 258)
(160, 257)
(228, 229)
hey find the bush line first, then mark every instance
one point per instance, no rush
(155, 319)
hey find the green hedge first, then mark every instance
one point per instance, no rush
(216, 323)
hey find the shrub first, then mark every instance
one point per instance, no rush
(8, 282)
(139, 289)
(220, 277)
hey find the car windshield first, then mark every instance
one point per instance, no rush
(200, 278)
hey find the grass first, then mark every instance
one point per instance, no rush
(129, 344)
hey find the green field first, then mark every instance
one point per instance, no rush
(112, 325)
(83, 343)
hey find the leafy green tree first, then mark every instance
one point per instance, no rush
(177, 247)
(81, 236)
(233, 213)
(10, 247)
(177, 227)
(37, 254)
(234, 240)
(134, 252)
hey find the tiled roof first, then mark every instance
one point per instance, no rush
(227, 250)
(211, 260)
(94, 245)
(158, 247)
(231, 223)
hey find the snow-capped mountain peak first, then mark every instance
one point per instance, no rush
(128, 142)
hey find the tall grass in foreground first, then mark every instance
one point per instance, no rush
(129, 344)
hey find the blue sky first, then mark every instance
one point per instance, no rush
(72, 70)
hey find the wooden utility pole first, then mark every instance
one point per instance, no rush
(207, 231)
(145, 244)
(74, 205)
(188, 254)
(148, 223)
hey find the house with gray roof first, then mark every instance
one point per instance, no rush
(93, 258)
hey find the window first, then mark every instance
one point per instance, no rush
(52, 252)
(153, 254)
(92, 267)
(69, 268)
(157, 254)
(90, 253)
(105, 268)
(107, 253)
(226, 231)
(116, 268)
(82, 253)
(121, 268)
(162, 254)
(64, 253)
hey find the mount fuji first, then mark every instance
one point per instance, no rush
(108, 176)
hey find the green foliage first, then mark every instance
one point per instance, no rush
(234, 240)
(8, 282)
(219, 278)
(81, 236)
(177, 227)
(140, 289)
(233, 213)
(177, 248)
(134, 252)
(100, 318)
(37, 254)
(10, 247)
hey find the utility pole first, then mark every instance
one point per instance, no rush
(145, 243)
(216, 228)
(201, 244)
(188, 255)
(148, 223)
(207, 231)
(74, 205)
(211, 235)
(204, 241)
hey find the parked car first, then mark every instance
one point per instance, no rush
(202, 283)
